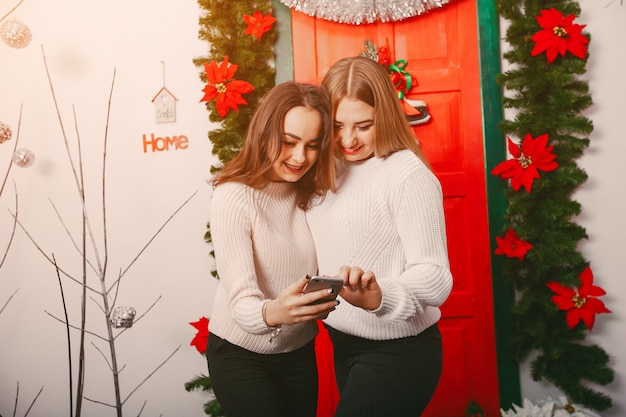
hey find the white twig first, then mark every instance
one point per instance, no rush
(33, 403)
(151, 373)
(152, 238)
(12, 236)
(75, 327)
(139, 317)
(83, 255)
(12, 10)
(7, 302)
(48, 257)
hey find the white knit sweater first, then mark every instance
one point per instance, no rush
(387, 216)
(262, 245)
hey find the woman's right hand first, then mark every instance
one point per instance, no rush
(294, 306)
(360, 288)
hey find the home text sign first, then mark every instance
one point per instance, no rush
(155, 143)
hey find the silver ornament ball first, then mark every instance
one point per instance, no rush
(15, 34)
(23, 158)
(5, 132)
(122, 317)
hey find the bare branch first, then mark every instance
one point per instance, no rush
(75, 327)
(142, 407)
(6, 252)
(98, 304)
(67, 231)
(117, 287)
(139, 317)
(48, 257)
(79, 186)
(17, 139)
(33, 403)
(17, 396)
(154, 237)
(151, 373)
(104, 165)
(4, 181)
(12, 10)
(103, 355)
(149, 308)
(101, 403)
(69, 341)
(7, 302)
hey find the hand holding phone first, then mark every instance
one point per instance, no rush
(316, 283)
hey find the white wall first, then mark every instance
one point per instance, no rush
(84, 42)
(603, 206)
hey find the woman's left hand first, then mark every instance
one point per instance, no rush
(360, 288)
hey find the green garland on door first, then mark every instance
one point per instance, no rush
(557, 300)
(228, 35)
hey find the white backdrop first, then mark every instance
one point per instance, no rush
(149, 45)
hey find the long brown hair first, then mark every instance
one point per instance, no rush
(253, 164)
(363, 79)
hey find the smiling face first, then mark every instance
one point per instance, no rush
(354, 131)
(300, 144)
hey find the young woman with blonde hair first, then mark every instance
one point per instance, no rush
(383, 229)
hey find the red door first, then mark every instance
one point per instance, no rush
(441, 48)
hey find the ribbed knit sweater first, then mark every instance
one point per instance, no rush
(387, 216)
(262, 245)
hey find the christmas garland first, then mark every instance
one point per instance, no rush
(557, 301)
(241, 41)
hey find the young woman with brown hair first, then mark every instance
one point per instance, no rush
(260, 350)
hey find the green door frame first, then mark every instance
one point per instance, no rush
(495, 152)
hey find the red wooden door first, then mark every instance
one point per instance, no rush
(441, 48)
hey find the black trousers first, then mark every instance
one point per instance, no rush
(388, 378)
(249, 384)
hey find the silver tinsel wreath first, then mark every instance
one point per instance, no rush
(363, 11)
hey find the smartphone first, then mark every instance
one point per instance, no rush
(318, 283)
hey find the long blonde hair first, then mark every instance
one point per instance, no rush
(363, 79)
(253, 164)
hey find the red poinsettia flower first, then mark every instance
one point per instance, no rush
(512, 246)
(223, 88)
(559, 35)
(523, 168)
(258, 24)
(202, 334)
(580, 304)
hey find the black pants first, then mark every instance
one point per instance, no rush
(248, 384)
(388, 378)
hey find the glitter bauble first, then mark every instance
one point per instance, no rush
(23, 158)
(122, 317)
(5, 132)
(15, 34)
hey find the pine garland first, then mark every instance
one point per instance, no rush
(549, 98)
(223, 27)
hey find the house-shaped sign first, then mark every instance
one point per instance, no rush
(164, 106)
